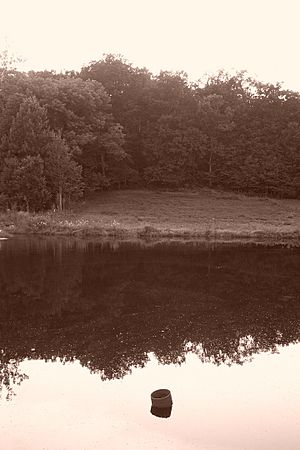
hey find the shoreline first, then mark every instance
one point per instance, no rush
(58, 227)
(150, 215)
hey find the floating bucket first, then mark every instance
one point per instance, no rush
(161, 398)
(161, 403)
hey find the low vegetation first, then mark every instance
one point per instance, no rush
(195, 214)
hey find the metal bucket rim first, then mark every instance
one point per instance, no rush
(166, 392)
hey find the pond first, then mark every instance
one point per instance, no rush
(88, 329)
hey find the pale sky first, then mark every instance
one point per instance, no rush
(254, 406)
(197, 36)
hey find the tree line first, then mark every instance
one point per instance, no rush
(113, 125)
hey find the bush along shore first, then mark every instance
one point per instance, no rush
(205, 214)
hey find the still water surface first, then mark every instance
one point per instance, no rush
(88, 330)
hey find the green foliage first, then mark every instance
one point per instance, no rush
(37, 165)
(29, 131)
(68, 123)
(176, 153)
(63, 174)
(23, 183)
(120, 126)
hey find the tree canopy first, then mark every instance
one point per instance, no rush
(117, 125)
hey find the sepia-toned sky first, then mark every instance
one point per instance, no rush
(197, 36)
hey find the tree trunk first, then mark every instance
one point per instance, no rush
(60, 199)
(210, 170)
(103, 164)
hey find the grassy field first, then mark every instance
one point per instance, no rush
(188, 214)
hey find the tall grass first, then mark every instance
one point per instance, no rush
(151, 214)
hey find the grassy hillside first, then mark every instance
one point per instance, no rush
(189, 214)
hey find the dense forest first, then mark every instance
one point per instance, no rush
(113, 125)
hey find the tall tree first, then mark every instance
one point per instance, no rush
(23, 183)
(215, 119)
(29, 131)
(62, 173)
(130, 92)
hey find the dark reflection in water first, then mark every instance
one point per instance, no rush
(161, 412)
(110, 305)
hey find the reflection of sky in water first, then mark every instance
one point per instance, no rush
(253, 406)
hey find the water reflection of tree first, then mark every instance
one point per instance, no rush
(110, 309)
(10, 375)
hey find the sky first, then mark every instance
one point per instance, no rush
(197, 36)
